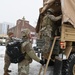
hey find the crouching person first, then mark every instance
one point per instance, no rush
(23, 66)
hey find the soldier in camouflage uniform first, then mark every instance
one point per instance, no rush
(23, 66)
(48, 29)
(7, 58)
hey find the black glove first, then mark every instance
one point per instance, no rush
(42, 62)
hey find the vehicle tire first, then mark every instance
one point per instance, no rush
(69, 65)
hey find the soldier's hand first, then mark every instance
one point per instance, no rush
(42, 62)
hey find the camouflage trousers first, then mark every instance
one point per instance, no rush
(7, 62)
(46, 35)
(46, 46)
(23, 68)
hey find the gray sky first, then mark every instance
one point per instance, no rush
(12, 10)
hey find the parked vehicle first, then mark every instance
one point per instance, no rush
(64, 62)
(3, 39)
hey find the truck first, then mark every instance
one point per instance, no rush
(3, 33)
(64, 62)
(3, 38)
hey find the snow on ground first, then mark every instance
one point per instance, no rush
(34, 66)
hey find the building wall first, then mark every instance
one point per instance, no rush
(20, 25)
(13, 29)
(0, 28)
(3, 28)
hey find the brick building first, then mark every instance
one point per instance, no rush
(20, 25)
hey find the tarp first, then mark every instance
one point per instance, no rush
(68, 11)
(46, 5)
(67, 8)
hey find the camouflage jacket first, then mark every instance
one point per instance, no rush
(29, 52)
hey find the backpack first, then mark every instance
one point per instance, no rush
(14, 51)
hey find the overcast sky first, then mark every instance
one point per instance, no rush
(12, 10)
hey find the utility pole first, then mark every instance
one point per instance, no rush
(7, 29)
